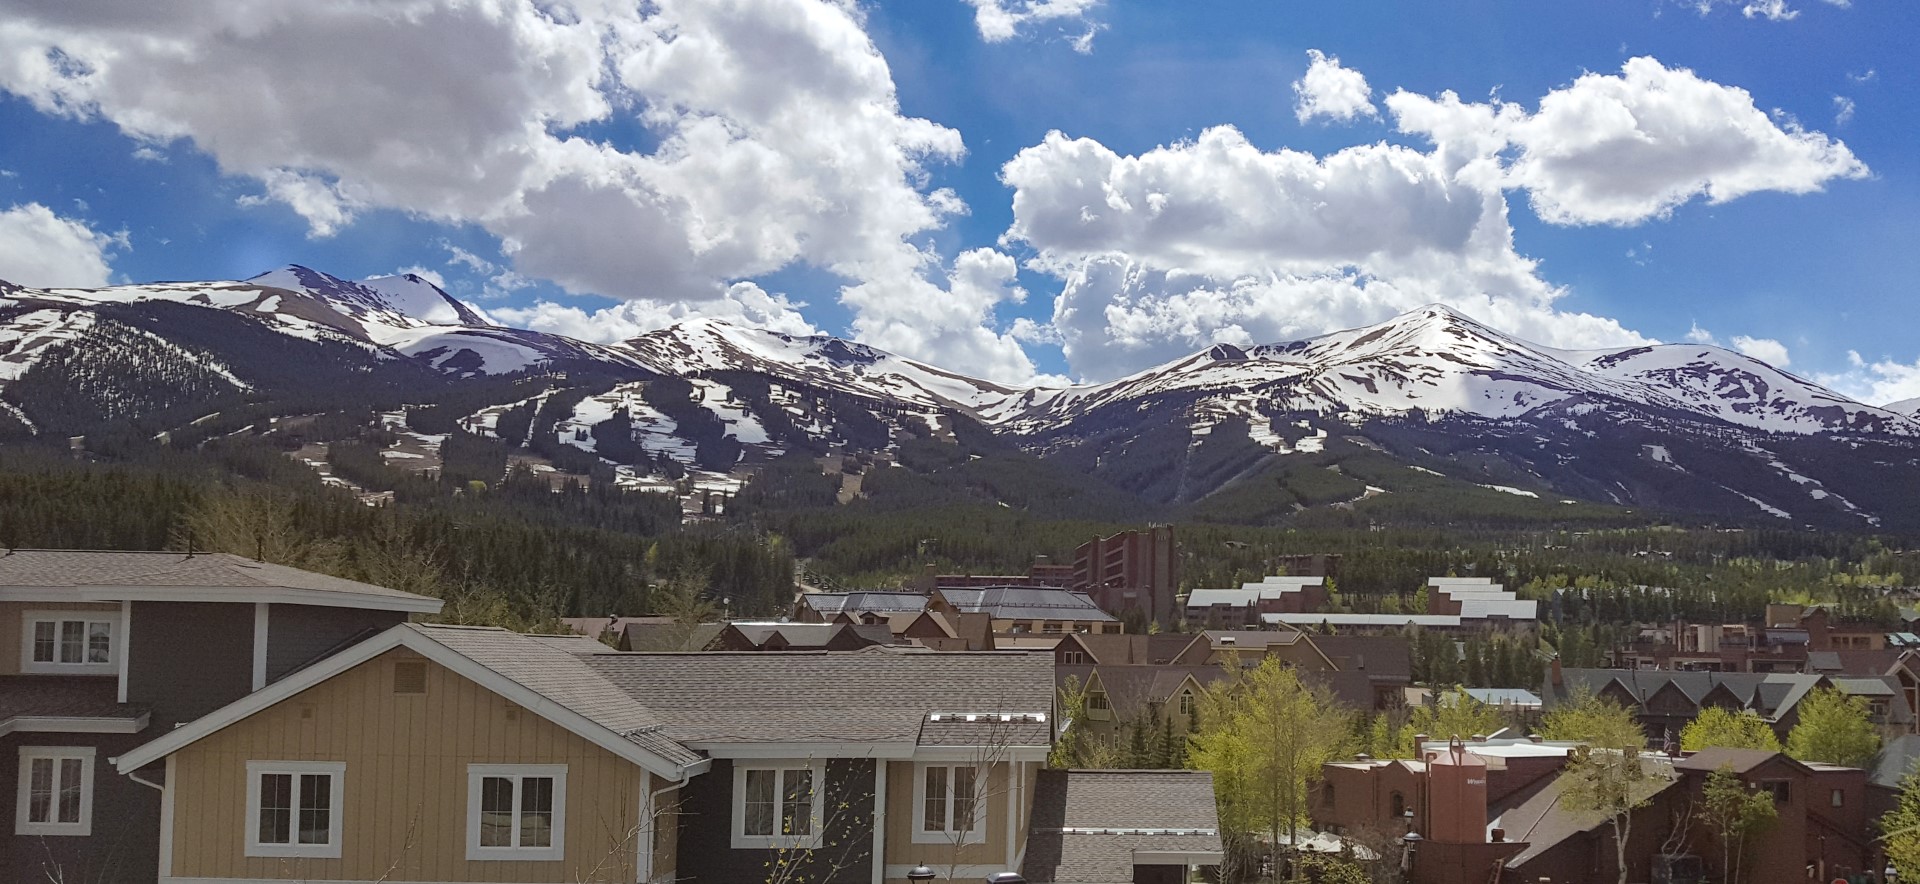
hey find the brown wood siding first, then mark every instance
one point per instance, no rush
(901, 849)
(404, 813)
(11, 626)
(124, 844)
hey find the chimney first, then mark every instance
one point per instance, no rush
(1557, 679)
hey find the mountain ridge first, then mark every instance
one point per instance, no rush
(1257, 431)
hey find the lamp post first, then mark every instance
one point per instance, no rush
(921, 873)
(1409, 843)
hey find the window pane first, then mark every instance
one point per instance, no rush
(43, 641)
(276, 808)
(536, 812)
(99, 642)
(72, 641)
(40, 790)
(797, 811)
(316, 808)
(963, 798)
(936, 800)
(70, 776)
(760, 803)
(496, 812)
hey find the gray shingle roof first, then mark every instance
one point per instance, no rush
(549, 669)
(1087, 824)
(52, 568)
(1772, 694)
(63, 696)
(1544, 821)
(872, 695)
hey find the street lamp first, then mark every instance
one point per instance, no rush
(921, 873)
(1409, 842)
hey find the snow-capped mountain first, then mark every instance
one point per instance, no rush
(1431, 396)
(1439, 360)
(696, 346)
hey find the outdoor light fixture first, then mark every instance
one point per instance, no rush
(920, 873)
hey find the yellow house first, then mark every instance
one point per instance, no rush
(454, 754)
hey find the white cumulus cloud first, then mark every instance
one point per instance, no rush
(1331, 91)
(1622, 149)
(1766, 350)
(41, 249)
(1001, 20)
(1880, 382)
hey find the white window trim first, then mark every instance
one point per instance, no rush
(744, 841)
(329, 850)
(30, 666)
(982, 786)
(85, 825)
(557, 850)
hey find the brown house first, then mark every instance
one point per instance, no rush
(1484, 803)
(101, 652)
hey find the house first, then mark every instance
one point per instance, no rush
(101, 652)
(444, 753)
(1014, 610)
(1490, 803)
(644, 634)
(1112, 826)
(1665, 701)
(608, 628)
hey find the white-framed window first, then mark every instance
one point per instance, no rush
(293, 808)
(68, 642)
(516, 811)
(949, 804)
(1186, 702)
(56, 791)
(778, 803)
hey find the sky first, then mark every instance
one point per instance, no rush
(1023, 190)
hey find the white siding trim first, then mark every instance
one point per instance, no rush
(126, 644)
(982, 794)
(1015, 775)
(557, 846)
(744, 841)
(166, 822)
(260, 621)
(880, 821)
(336, 804)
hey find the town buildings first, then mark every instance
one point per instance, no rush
(1453, 604)
(1498, 806)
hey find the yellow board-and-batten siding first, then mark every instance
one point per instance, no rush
(993, 849)
(404, 813)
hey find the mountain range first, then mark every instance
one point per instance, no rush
(1428, 412)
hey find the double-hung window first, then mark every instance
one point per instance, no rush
(777, 804)
(67, 643)
(56, 791)
(516, 811)
(293, 808)
(949, 804)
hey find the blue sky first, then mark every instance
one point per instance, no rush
(843, 132)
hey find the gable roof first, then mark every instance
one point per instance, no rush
(536, 675)
(1543, 820)
(112, 576)
(668, 636)
(1092, 826)
(874, 695)
(1740, 760)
